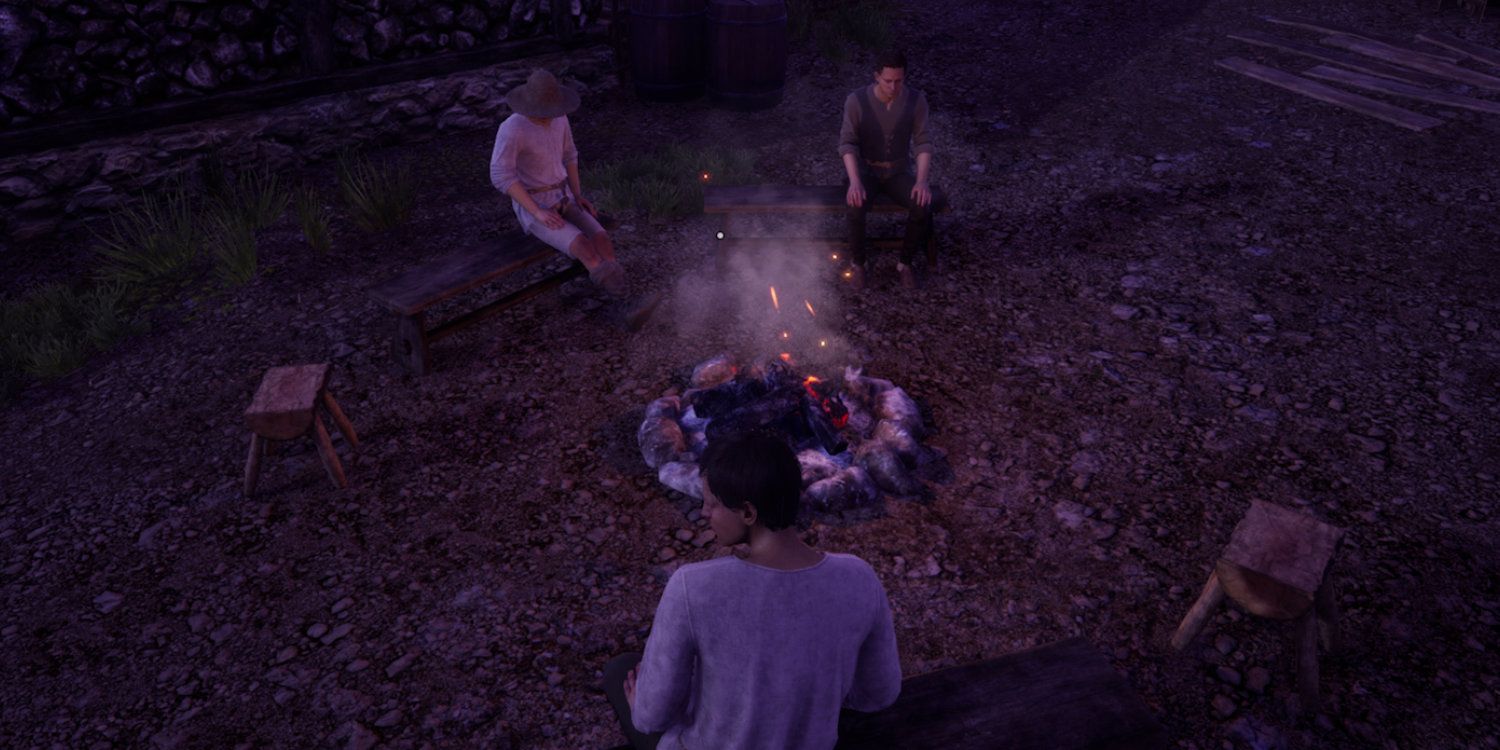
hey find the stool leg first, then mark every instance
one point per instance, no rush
(340, 421)
(325, 449)
(410, 344)
(1192, 624)
(1307, 661)
(1327, 605)
(252, 463)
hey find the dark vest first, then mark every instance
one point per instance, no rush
(875, 144)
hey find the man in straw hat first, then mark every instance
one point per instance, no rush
(536, 164)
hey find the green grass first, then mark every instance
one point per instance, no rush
(232, 240)
(312, 216)
(255, 197)
(379, 197)
(151, 242)
(669, 182)
(53, 329)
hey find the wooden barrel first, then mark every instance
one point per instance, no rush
(666, 49)
(746, 46)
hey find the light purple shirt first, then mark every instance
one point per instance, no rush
(745, 657)
(534, 156)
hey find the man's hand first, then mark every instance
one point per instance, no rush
(630, 687)
(549, 217)
(587, 206)
(921, 193)
(856, 196)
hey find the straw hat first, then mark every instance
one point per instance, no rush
(542, 96)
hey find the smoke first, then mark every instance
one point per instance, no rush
(733, 304)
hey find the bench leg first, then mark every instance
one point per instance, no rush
(252, 463)
(410, 345)
(340, 421)
(326, 452)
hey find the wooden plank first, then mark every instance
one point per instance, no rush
(450, 275)
(1331, 29)
(1063, 696)
(724, 199)
(576, 270)
(1364, 105)
(1415, 61)
(1396, 88)
(1486, 55)
(71, 129)
(283, 405)
(1355, 62)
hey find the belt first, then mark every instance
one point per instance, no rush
(546, 188)
(881, 164)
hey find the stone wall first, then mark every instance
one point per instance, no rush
(58, 57)
(41, 192)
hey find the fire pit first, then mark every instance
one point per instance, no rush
(856, 436)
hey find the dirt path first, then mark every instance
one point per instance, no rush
(1170, 290)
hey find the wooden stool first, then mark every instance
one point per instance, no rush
(1277, 566)
(285, 407)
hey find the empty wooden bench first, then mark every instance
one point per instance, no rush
(1062, 696)
(734, 201)
(409, 295)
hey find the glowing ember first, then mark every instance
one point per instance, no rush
(775, 302)
(835, 411)
(719, 235)
(810, 310)
(705, 176)
(823, 342)
(835, 256)
(848, 274)
(786, 335)
(786, 357)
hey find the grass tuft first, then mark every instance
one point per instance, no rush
(151, 242)
(379, 197)
(670, 181)
(865, 24)
(312, 216)
(52, 330)
(232, 238)
(255, 196)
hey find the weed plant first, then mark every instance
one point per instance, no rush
(379, 197)
(52, 330)
(255, 197)
(312, 216)
(865, 24)
(668, 182)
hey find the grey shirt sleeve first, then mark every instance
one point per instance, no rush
(664, 681)
(877, 675)
(921, 136)
(849, 131)
(503, 161)
(570, 152)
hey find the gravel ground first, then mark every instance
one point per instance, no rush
(1168, 290)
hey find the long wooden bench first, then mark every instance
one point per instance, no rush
(1062, 696)
(733, 201)
(409, 295)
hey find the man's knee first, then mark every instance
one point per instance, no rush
(582, 249)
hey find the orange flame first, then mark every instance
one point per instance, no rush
(810, 310)
(775, 302)
(786, 357)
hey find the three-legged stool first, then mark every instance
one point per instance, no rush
(1277, 566)
(285, 407)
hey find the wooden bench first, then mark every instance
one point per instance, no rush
(732, 201)
(409, 295)
(1062, 696)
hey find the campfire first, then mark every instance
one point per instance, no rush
(855, 436)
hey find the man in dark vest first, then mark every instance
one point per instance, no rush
(884, 124)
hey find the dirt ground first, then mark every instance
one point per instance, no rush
(1168, 290)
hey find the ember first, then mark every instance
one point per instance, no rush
(855, 437)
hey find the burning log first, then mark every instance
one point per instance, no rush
(764, 412)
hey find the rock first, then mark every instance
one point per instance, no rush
(108, 601)
(1225, 644)
(283, 42)
(285, 655)
(1124, 312)
(16, 35)
(1257, 679)
(237, 17)
(1250, 733)
(20, 188)
(1227, 675)
(334, 635)
(317, 630)
(1224, 706)
(349, 30)
(666, 553)
(473, 19)
(228, 50)
(1069, 513)
(221, 633)
(389, 719)
(387, 35)
(1366, 444)
(361, 738)
(400, 664)
(201, 74)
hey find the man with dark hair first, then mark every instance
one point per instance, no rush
(760, 649)
(884, 123)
